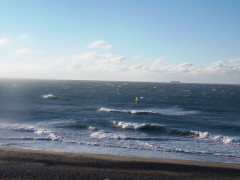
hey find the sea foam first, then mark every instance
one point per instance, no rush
(32, 128)
(164, 111)
(126, 125)
(48, 96)
(102, 134)
(209, 136)
(138, 126)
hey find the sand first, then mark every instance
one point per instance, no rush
(30, 164)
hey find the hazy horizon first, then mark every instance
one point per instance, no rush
(94, 80)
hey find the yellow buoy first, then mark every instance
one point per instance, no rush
(136, 99)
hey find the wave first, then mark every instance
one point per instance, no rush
(32, 128)
(156, 128)
(220, 138)
(126, 125)
(164, 111)
(49, 96)
(136, 126)
(49, 133)
(141, 145)
(81, 126)
(176, 132)
(19, 127)
(102, 134)
(27, 138)
(126, 111)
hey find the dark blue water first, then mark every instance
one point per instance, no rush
(178, 121)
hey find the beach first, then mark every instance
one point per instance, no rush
(16, 163)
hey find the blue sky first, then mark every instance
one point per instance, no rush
(135, 40)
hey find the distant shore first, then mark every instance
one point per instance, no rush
(18, 163)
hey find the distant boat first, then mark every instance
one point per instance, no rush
(175, 82)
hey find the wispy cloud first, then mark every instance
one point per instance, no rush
(88, 55)
(107, 68)
(23, 51)
(158, 61)
(24, 36)
(100, 44)
(110, 57)
(99, 57)
(3, 41)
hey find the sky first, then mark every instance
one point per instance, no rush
(192, 41)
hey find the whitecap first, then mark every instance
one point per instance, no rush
(48, 96)
(32, 128)
(163, 111)
(18, 127)
(209, 136)
(104, 135)
(49, 133)
(92, 128)
(126, 125)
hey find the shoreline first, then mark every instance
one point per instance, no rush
(17, 163)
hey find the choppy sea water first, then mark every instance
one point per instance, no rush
(176, 121)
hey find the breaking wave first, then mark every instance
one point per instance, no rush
(102, 134)
(156, 128)
(176, 132)
(136, 126)
(50, 134)
(220, 138)
(164, 111)
(48, 96)
(32, 128)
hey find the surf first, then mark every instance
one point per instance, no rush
(163, 111)
(48, 96)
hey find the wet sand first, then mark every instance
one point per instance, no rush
(29, 164)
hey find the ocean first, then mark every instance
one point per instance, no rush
(144, 119)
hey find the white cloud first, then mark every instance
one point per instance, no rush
(136, 67)
(23, 51)
(94, 65)
(158, 61)
(88, 55)
(109, 58)
(235, 61)
(217, 66)
(117, 59)
(24, 36)
(100, 44)
(101, 61)
(3, 41)
(112, 58)
(184, 68)
(107, 68)
(156, 69)
(99, 58)
(228, 67)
